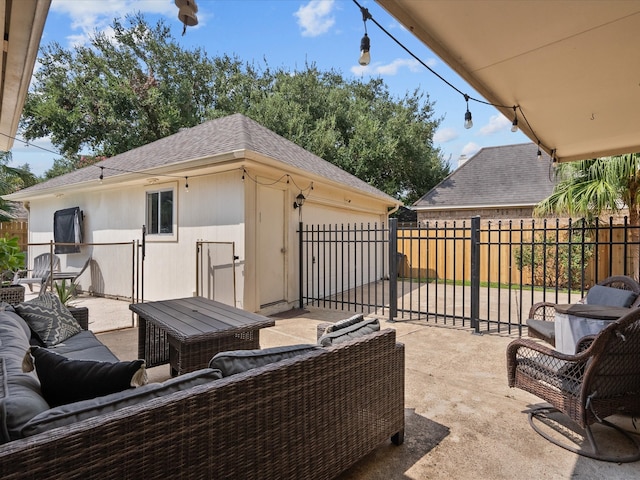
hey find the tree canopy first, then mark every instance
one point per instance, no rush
(139, 85)
(11, 180)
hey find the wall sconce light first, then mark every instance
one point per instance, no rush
(299, 201)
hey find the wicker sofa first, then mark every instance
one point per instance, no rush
(310, 416)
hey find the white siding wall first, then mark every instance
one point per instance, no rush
(212, 210)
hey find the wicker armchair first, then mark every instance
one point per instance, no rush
(587, 387)
(542, 314)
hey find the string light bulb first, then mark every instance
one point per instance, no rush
(365, 43)
(514, 125)
(101, 174)
(468, 122)
(187, 10)
(186, 184)
(539, 154)
(365, 56)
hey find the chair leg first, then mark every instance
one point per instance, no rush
(542, 415)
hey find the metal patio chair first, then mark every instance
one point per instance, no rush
(586, 388)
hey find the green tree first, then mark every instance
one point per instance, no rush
(118, 93)
(138, 86)
(11, 180)
(590, 188)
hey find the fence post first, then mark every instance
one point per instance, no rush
(393, 268)
(300, 265)
(475, 273)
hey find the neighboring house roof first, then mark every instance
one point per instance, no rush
(213, 138)
(505, 176)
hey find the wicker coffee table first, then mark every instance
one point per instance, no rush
(187, 332)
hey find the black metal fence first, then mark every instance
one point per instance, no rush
(483, 275)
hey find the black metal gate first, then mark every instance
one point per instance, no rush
(482, 275)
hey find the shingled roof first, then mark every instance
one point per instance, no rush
(212, 138)
(509, 175)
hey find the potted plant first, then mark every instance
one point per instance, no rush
(66, 292)
(11, 260)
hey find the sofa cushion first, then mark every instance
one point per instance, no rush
(350, 332)
(77, 411)
(544, 327)
(20, 397)
(613, 297)
(48, 318)
(238, 361)
(84, 346)
(65, 381)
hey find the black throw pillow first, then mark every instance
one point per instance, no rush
(63, 380)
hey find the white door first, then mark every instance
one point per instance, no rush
(271, 245)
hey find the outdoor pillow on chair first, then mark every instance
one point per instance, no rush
(65, 381)
(613, 297)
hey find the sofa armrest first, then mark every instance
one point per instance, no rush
(81, 314)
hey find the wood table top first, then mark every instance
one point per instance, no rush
(194, 318)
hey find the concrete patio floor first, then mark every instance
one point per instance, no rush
(462, 420)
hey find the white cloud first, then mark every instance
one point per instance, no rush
(497, 123)
(315, 17)
(444, 135)
(89, 16)
(470, 149)
(390, 68)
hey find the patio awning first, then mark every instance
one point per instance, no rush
(571, 66)
(22, 23)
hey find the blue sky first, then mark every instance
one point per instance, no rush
(290, 34)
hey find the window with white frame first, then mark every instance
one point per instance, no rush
(160, 212)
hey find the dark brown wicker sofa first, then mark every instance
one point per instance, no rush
(310, 416)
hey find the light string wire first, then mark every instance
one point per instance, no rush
(166, 175)
(367, 16)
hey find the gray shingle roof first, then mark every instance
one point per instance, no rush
(214, 137)
(504, 175)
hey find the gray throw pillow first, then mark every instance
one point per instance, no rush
(350, 332)
(347, 322)
(48, 318)
(613, 297)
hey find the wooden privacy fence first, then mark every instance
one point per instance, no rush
(442, 251)
(16, 228)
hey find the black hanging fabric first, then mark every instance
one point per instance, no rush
(67, 228)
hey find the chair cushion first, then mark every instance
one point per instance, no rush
(238, 361)
(48, 318)
(542, 327)
(78, 411)
(356, 330)
(64, 380)
(614, 297)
